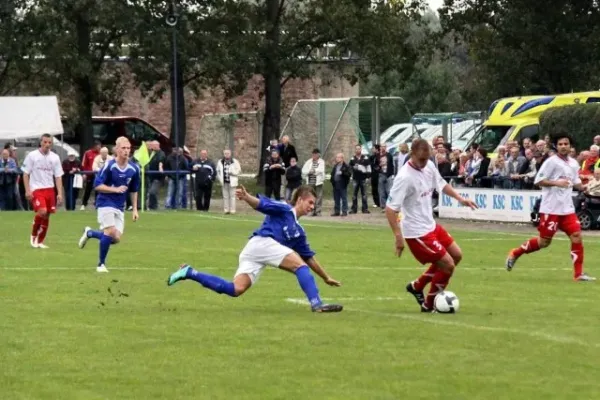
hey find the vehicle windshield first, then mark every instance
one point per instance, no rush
(490, 137)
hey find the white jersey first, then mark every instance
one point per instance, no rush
(555, 200)
(411, 194)
(42, 169)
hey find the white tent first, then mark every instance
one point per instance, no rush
(24, 117)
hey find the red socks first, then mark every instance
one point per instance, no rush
(425, 278)
(37, 222)
(529, 246)
(439, 282)
(577, 257)
(40, 228)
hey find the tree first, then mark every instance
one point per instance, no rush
(17, 45)
(211, 50)
(367, 39)
(81, 40)
(522, 48)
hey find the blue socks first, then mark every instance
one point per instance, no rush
(105, 242)
(95, 234)
(308, 285)
(212, 282)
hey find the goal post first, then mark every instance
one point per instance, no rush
(336, 125)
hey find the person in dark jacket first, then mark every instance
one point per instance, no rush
(287, 150)
(361, 171)
(70, 166)
(176, 162)
(293, 177)
(204, 175)
(386, 175)
(340, 177)
(374, 160)
(8, 180)
(274, 168)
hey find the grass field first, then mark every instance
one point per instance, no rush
(70, 333)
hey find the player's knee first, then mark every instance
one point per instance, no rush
(457, 258)
(42, 213)
(576, 237)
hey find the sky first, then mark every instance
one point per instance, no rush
(435, 4)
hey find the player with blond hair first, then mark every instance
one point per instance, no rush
(115, 180)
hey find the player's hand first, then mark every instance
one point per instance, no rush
(28, 195)
(399, 245)
(469, 203)
(135, 216)
(121, 189)
(241, 192)
(332, 282)
(562, 183)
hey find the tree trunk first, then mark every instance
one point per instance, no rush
(272, 80)
(84, 85)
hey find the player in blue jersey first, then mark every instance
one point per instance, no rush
(281, 242)
(112, 184)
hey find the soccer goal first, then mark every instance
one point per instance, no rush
(336, 125)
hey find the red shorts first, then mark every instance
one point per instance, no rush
(431, 247)
(44, 199)
(550, 223)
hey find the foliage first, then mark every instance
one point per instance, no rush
(522, 48)
(581, 121)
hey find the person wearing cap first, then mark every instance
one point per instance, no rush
(314, 173)
(71, 166)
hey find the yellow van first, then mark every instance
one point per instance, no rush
(517, 118)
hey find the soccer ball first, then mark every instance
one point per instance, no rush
(446, 303)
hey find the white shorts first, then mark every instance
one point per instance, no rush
(258, 253)
(109, 217)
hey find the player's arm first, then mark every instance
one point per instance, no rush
(319, 270)
(58, 173)
(398, 193)
(448, 190)
(26, 169)
(100, 182)
(242, 194)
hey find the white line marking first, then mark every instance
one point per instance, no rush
(435, 319)
(306, 302)
(459, 268)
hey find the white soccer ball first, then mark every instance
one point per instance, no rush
(446, 302)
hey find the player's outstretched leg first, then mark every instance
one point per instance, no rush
(529, 246)
(294, 263)
(212, 282)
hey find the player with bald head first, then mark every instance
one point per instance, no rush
(118, 177)
(428, 241)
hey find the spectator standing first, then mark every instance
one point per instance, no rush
(228, 171)
(273, 169)
(71, 167)
(499, 172)
(287, 150)
(205, 174)
(87, 165)
(176, 180)
(293, 178)
(340, 177)
(386, 175)
(374, 160)
(361, 171)
(155, 173)
(101, 159)
(314, 173)
(8, 180)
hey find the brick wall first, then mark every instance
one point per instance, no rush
(209, 131)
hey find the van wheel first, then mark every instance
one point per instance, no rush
(585, 220)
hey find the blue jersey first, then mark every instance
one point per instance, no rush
(282, 225)
(112, 175)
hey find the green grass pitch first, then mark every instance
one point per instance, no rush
(70, 333)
